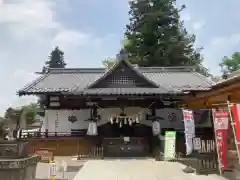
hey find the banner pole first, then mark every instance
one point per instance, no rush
(233, 128)
(216, 144)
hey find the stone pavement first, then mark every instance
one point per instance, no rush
(73, 167)
(134, 169)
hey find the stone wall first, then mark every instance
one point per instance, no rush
(18, 169)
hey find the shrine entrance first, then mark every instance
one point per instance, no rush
(125, 130)
(127, 140)
(125, 136)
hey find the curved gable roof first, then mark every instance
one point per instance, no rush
(72, 79)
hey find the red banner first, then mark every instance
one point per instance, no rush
(235, 111)
(220, 119)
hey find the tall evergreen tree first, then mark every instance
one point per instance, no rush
(157, 37)
(55, 60)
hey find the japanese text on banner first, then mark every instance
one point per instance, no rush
(220, 119)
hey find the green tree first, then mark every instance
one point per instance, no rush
(14, 116)
(2, 129)
(157, 37)
(108, 63)
(30, 112)
(55, 60)
(230, 64)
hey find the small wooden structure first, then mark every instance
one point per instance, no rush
(46, 154)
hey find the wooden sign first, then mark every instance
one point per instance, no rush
(170, 149)
(46, 154)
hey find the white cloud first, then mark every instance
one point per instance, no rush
(65, 38)
(218, 48)
(28, 31)
(199, 25)
(25, 76)
(226, 41)
(28, 16)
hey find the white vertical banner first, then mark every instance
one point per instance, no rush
(189, 129)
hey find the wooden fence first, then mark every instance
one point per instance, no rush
(204, 160)
(91, 152)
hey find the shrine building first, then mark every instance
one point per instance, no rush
(107, 107)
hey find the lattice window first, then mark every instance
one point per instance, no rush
(122, 80)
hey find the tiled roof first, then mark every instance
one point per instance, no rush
(126, 91)
(128, 65)
(72, 79)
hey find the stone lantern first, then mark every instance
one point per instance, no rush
(15, 163)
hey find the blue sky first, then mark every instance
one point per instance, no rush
(91, 30)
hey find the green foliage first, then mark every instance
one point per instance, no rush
(2, 130)
(55, 60)
(108, 63)
(14, 114)
(157, 37)
(230, 64)
(30, 112)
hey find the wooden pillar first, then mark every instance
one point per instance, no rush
(153, 110)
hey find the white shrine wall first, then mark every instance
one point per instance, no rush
(57, 120)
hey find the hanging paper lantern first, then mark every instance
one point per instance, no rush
(156, 128)
(92, 129)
